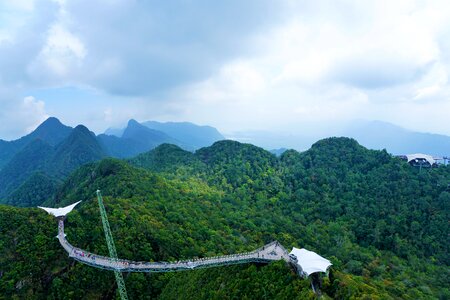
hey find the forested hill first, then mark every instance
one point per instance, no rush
(36, 170)
(385, 202)
(383, 224)
(35, 165)
(51, 131)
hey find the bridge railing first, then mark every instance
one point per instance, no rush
(259, 255)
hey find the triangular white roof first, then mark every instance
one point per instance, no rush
(427, 157)
(59, 212)
(310, 262)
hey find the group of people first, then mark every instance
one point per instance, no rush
(79, 253)
(82, 254)
(190, 263)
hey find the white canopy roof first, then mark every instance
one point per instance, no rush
(59, 212)
(427, 157)
(310, 262)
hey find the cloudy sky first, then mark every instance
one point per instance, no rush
(239, 65)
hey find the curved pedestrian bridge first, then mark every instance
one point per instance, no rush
(270, 252)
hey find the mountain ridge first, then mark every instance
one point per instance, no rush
(397, 140)
(188, 135)
(196, 136)
(53, 162)
(375, 135)
(51, 130)
(380, 221)
(67, 149)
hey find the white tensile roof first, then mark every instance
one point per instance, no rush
(59, 212)
(427, 157)
(310, 262)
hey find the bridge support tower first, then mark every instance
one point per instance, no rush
(111, 247)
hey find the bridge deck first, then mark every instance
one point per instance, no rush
(270, 252)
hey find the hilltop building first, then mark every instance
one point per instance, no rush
(420, 160)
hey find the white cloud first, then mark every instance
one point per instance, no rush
(427, 92)
(236, 64)
(335, 61)
(27, 5)
(19, 116)
(61, 53)
(236, 81)
(33, 111)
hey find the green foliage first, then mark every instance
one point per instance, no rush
(37, 189)
(383, 224)
(169, 158)
(30, 256)
(19, 184)
(33, 157)
(79, 148)
(275, 281)
(51, 131)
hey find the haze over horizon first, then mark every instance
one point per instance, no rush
(238, 66)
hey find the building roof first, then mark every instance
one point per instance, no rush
(60, 212)
(427, 157)
(310, 262)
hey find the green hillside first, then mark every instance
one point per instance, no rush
(38, 188)
(169, 159)
(51, 131)
(383, 224)
(79, 148)
(32, 158)
(34, 173)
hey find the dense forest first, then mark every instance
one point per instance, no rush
(38, 163)
(383, 224)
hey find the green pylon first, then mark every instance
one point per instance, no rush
(111, 247)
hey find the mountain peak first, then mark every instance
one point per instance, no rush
(51, 130)
(133, 122)
(114, 131)
(50, 124)
(51, 120)
(80, 147)
(337, 143)
(134, 127)
(82, 128)
(187, 133)
(398, 140)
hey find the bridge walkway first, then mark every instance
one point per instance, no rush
(270, 252)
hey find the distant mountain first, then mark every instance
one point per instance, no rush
(148, 138)
(51, 131)
(382, 223)
(375, 135)
(191, 135)
(39, 161)
(52, 163)
(275, 140)
(115, 131)
(134, 139)
(120, 147)
(278, 151)
(79, 148)
(397, 140)
(187, 135)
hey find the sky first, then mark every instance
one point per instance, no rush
(253, 65)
